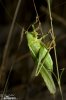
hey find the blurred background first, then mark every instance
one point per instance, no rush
(17, 65)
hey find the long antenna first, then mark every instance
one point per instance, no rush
(37, 17)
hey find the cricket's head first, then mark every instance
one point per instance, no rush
(32, 35)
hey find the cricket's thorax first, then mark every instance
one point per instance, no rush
(33, 43)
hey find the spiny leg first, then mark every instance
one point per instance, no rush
(52, 43)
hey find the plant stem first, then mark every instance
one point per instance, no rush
(5, 54)
(53, 37)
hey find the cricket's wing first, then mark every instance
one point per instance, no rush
(48, 80)
(45, 59)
